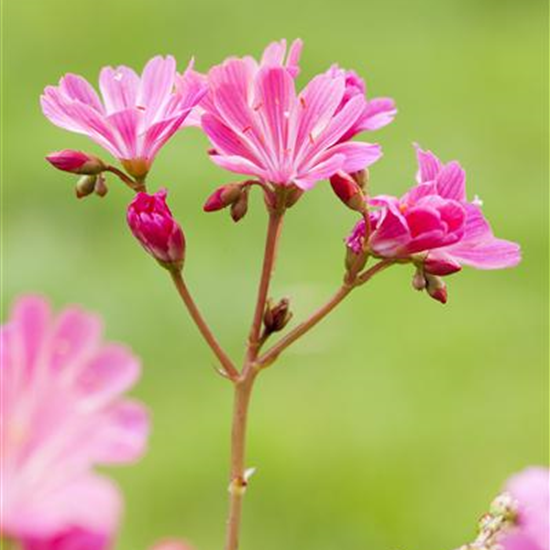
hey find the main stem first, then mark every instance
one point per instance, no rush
(245, 383)
(237, 486)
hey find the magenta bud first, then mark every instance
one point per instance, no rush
(348, 191)
(436, 288)
(441, 266)
(153, 225)
(223, 197)
(76, 162)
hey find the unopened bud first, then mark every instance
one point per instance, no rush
(240, 207)
(361, 177)
(277, 316)
(222, 197)
(436, 288)
(504, 505)
(348, 191)
(153, 225)
(85, 186)
(441, 265)
(76, 162)
(100, 187)
(354, 262)
(419, 279)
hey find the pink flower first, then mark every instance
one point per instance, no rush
(275, 55)
(137, 115)
(260, 126)
(153, 225)
(171, 544)
(435, 219)
(75, 162)
(531, 489)
(377, 112)
(62, 413)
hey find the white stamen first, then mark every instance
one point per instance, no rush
(118, 76)
(477, 201)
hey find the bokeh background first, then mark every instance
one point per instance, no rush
(393, 424)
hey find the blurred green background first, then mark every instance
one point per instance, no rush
(393, 424)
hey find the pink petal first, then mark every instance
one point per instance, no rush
(110, 372)
(72, 539)
(391, 234)
(159, 133)
(490, 254)
(157, 82)
(451, 182)
(90, 502)
(119, 88)
(378, 113)
(76, 335)
(293, 58)
(330, 135)
(428, 165)
(358, 155)
(121, 434)
(422, 220)
(126, 124)
(78, 89)
(321, 171)
(274, 54)
(315, 108)
(239, 165)
(225, 140)
(30, 319)
(275, 96)
(420, 191)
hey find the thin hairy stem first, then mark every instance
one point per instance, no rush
(132, 184)
(227, 365)
(271, 355)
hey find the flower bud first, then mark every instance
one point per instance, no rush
(419, 279)
(222, 197)
(153, 225)
(100, 187)
(277, 316)
(441, 265)
(76, 162)
(361, 178)
(240, 207)
(348, 191)
(436, 288)
(85, 186)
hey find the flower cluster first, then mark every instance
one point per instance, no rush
(283, 138)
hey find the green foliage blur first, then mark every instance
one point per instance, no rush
(393, 424)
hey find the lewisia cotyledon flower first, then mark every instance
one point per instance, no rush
(436, 220)
(260, 126)
(136, 115)
(531, 491)
(62, 413)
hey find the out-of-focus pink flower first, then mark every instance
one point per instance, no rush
(153, 225)
(436, 220)
(377, 112)
(260, 126)
(531, 490)
(62, 413)
(172, 544)
(75, 162)
(136, 115)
